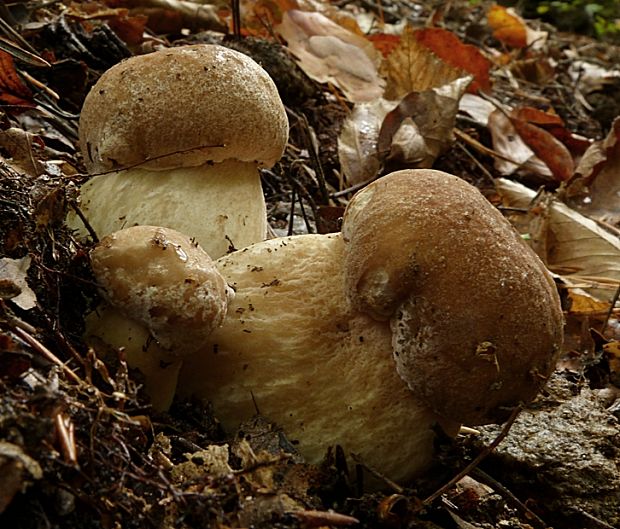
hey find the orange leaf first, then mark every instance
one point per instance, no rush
(507, 28)
(384, 42)
(549, 149)
(13, 91)
(537, 116)
(448, 47)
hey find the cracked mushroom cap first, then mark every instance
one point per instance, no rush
(163, 280)
(476, 320)
(183, 107)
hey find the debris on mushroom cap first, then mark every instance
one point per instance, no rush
(183, 107)
(476, 318)
(162, 279)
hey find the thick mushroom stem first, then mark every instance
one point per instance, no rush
(175, 138)
(178, 199)
(476, 318)
(293, 347)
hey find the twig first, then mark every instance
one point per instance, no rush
(394, 486)
(484, 453)
(483, 477)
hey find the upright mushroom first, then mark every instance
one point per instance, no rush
(175, 138)
(426, 272)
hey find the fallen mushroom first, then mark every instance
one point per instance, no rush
(177, 137)
(425, 266)
(163, 280)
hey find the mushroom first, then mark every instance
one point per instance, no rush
(175, 138)
(427, 310)
(159, 282)
(475, 315)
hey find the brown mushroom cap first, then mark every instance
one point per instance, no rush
(184, 107)
(476, 318)
(163, 280)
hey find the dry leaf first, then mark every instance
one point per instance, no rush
(327, 52)
(13, 280)
(448, 47)
(357, 143)
(412, 67)
(412, 132)
(511, 29)
(384, 42)
(599, 170)
(547, 148)
(507, 27)
(13, 91)
(478, 108)
(576, 248)
(433, 113)
(515, 152)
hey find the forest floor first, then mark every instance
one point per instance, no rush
(80, 445)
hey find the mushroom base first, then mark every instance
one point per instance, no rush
(219, 205)
(292, 346)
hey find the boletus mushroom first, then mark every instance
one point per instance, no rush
(427, 310)
(175, 138)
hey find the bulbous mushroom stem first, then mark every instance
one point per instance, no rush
(476, 318)
(293, 346)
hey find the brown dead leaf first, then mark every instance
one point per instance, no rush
(507, 26)
(357, 142)
(259, 16)
(576, 248)
(412, 67)
(13, 271)
(13, 91)
(411, 133)
(434, 113)
(596, 190)
(515, 153)
(448, 47)
(327, 52)
(550, 150)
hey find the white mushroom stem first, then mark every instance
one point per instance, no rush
(292, 345)
(220, 205)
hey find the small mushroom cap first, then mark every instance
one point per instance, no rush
(163, 280)
(184, 107)
(475, 316)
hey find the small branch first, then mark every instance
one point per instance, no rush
(484, 453)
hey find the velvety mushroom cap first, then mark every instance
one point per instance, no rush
(183, 107)
(475, 316)
(163, 280)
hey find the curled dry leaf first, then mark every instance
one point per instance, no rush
(434, 113)
(357, 143)
(596, 190)
(327, 52)
(575, 247)
(507, 26)
(411, 133)
(514, 153)
(550, 150)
